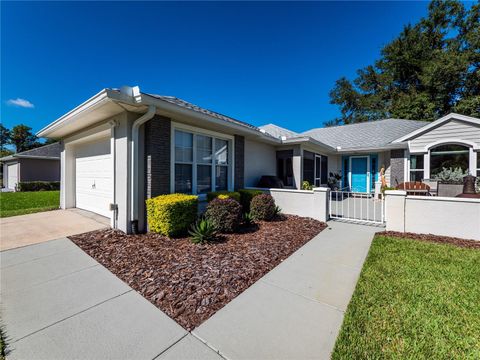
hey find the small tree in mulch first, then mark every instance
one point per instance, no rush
(225, 214)
(263, 207)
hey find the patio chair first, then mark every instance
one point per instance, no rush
(414, 188)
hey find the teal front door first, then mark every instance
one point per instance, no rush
(359, 170)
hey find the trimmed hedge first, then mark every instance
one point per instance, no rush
(171, 215)
(38, 186)
(246, 196)
(263, 207)
(215, 194)
(224, 214)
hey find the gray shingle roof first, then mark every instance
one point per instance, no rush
(374, 134)
(50, 151)
(190, 106)
(277, 131)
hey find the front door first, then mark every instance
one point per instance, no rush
(359, 169)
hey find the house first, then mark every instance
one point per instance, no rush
(39, 164)
(122, 146)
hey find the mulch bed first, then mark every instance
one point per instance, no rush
(472, 244)
(191, 282)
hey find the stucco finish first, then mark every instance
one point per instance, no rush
(260, 159)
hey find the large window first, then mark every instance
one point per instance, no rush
(314, 168)
(201, 163)
(448, 156)
(416, 168)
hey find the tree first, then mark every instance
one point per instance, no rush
(23, 138)
(4, 137)
(431, 68)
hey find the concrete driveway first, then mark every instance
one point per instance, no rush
(35, 228)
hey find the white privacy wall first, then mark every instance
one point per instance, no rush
(456, 217)
(260, 159)
(305, 203)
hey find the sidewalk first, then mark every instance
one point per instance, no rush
(296, 310)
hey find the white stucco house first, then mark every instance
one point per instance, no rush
(122, 146)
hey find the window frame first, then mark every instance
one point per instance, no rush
(214, 135)
(416, 170)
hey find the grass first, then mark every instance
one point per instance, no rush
(414, 300)
(19, 203)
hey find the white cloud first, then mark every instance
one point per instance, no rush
(20, 103)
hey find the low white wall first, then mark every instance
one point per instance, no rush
(457, 217)
(305, 203)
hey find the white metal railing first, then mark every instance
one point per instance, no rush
(356, 206)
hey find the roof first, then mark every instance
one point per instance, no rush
(50, 151)
(373, 134)
(277, 131)
(187, 105)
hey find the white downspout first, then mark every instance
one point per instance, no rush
(134, 168)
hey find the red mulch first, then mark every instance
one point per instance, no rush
(191, 282)
(472, 244)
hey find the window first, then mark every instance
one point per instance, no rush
(416, 168)
(324, 172)
(308, 167)
(183, 162)
(318, 170)
(478, 164)
(448, 156)
(201, 163)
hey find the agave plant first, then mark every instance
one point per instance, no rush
(248, 218)
(278, 210)
(202, 231)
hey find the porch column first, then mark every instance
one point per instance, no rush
(297, 165)
(426, 165)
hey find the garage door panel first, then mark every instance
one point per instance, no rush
(94, 179)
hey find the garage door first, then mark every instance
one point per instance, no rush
(93, 177)
(12, 176)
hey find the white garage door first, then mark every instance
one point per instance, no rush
(93, 177)
(12, 173)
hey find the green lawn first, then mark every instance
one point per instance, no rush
(19, 203)
(414, 300)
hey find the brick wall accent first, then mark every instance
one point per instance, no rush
(157, 156)
(239, 154)
(397, 168)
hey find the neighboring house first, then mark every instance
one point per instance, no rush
(123, 146)
(39, 164)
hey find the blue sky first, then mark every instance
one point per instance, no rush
(257, 62)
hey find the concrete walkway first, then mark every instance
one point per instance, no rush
(59, 303)
(296, 310)
(35, 228)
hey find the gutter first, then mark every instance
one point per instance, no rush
(152, 109)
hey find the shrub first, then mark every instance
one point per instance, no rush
(231, 194)
(171, 215)
(246, 196)
(306, 186)
(278, 210)
(38, 185)
(248, 218)
(203, 231)
(225, 214)
(263, 207)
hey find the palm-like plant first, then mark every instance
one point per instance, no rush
(202, 231)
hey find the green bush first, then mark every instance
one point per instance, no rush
(202, 232)
(171, 215)
(38, 186)
(306, 186)
(246, 196)
(215, 194)
(225, 214)
(263, 207)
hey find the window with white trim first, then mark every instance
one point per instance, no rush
(202, 163)
(416, 168)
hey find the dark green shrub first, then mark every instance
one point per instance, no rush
(171, 215)
(262, 207)
(231, 194)
(38, 186)
(278, 210)
(202, 232)
(246, 196)
(225, 214)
